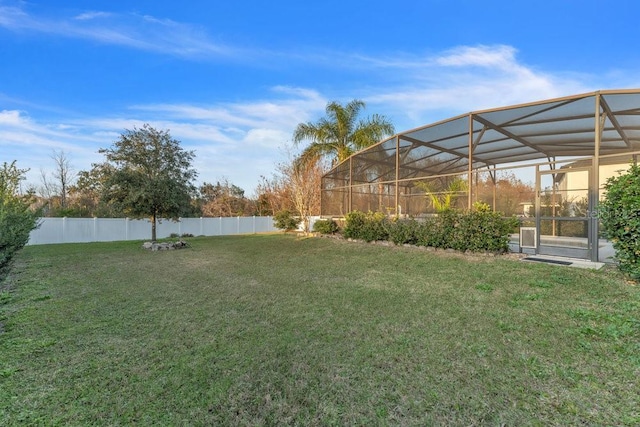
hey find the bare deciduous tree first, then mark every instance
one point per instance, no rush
(272, 195)
(224, 199)
(48, 188)
(303, 179)
(56, 188)
(63, 174)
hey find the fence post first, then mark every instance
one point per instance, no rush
(179, 226)
(126, 229)
(201, 227)
(64, 229)
(254, 224)
(95, 229)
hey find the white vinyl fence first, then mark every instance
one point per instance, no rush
(79, 230)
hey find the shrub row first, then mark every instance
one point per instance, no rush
(477, 231)
(369, 226)
(16, 219)
(16, 222)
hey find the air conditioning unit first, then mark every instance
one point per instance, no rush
(528, 237)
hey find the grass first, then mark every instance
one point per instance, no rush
(279, 330)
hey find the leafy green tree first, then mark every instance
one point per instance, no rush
(87, 193)
(620, 218)
(150, 175)
(16, 218)
(340, 134)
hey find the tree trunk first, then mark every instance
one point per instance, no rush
(153, 227)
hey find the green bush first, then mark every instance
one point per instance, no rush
(620, 217)
(484, 231)
(403, 231)
(15, 225)
(478, 230)
(426, 233)
(353, 224)
(444, 229)
(325, 226)
(284, 220)
(375, 227)
(369, 227)
(438, 231)
(16, 218)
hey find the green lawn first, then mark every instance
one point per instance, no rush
(279, 330)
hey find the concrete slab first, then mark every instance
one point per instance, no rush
(564, 261)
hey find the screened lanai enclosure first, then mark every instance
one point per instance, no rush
(545, 162)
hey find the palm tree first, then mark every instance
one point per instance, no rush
(443, 199)
(339, 135)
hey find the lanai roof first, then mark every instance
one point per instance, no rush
(554, 128)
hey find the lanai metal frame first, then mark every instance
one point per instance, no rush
(589, 125)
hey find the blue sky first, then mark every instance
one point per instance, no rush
(231, 80)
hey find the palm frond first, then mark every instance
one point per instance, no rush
(372, 130)
(315, 151)
(305, 131)
(338, 135)
(441, 200)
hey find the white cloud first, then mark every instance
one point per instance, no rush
(12, 118)
(465, 79)
(31, 143)
(241, 141)
(33, 133)
(500, 56)
(269, 138)
(14, 18)
(131, 30)
(86, 16)
(290, 104)
(244, 140)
